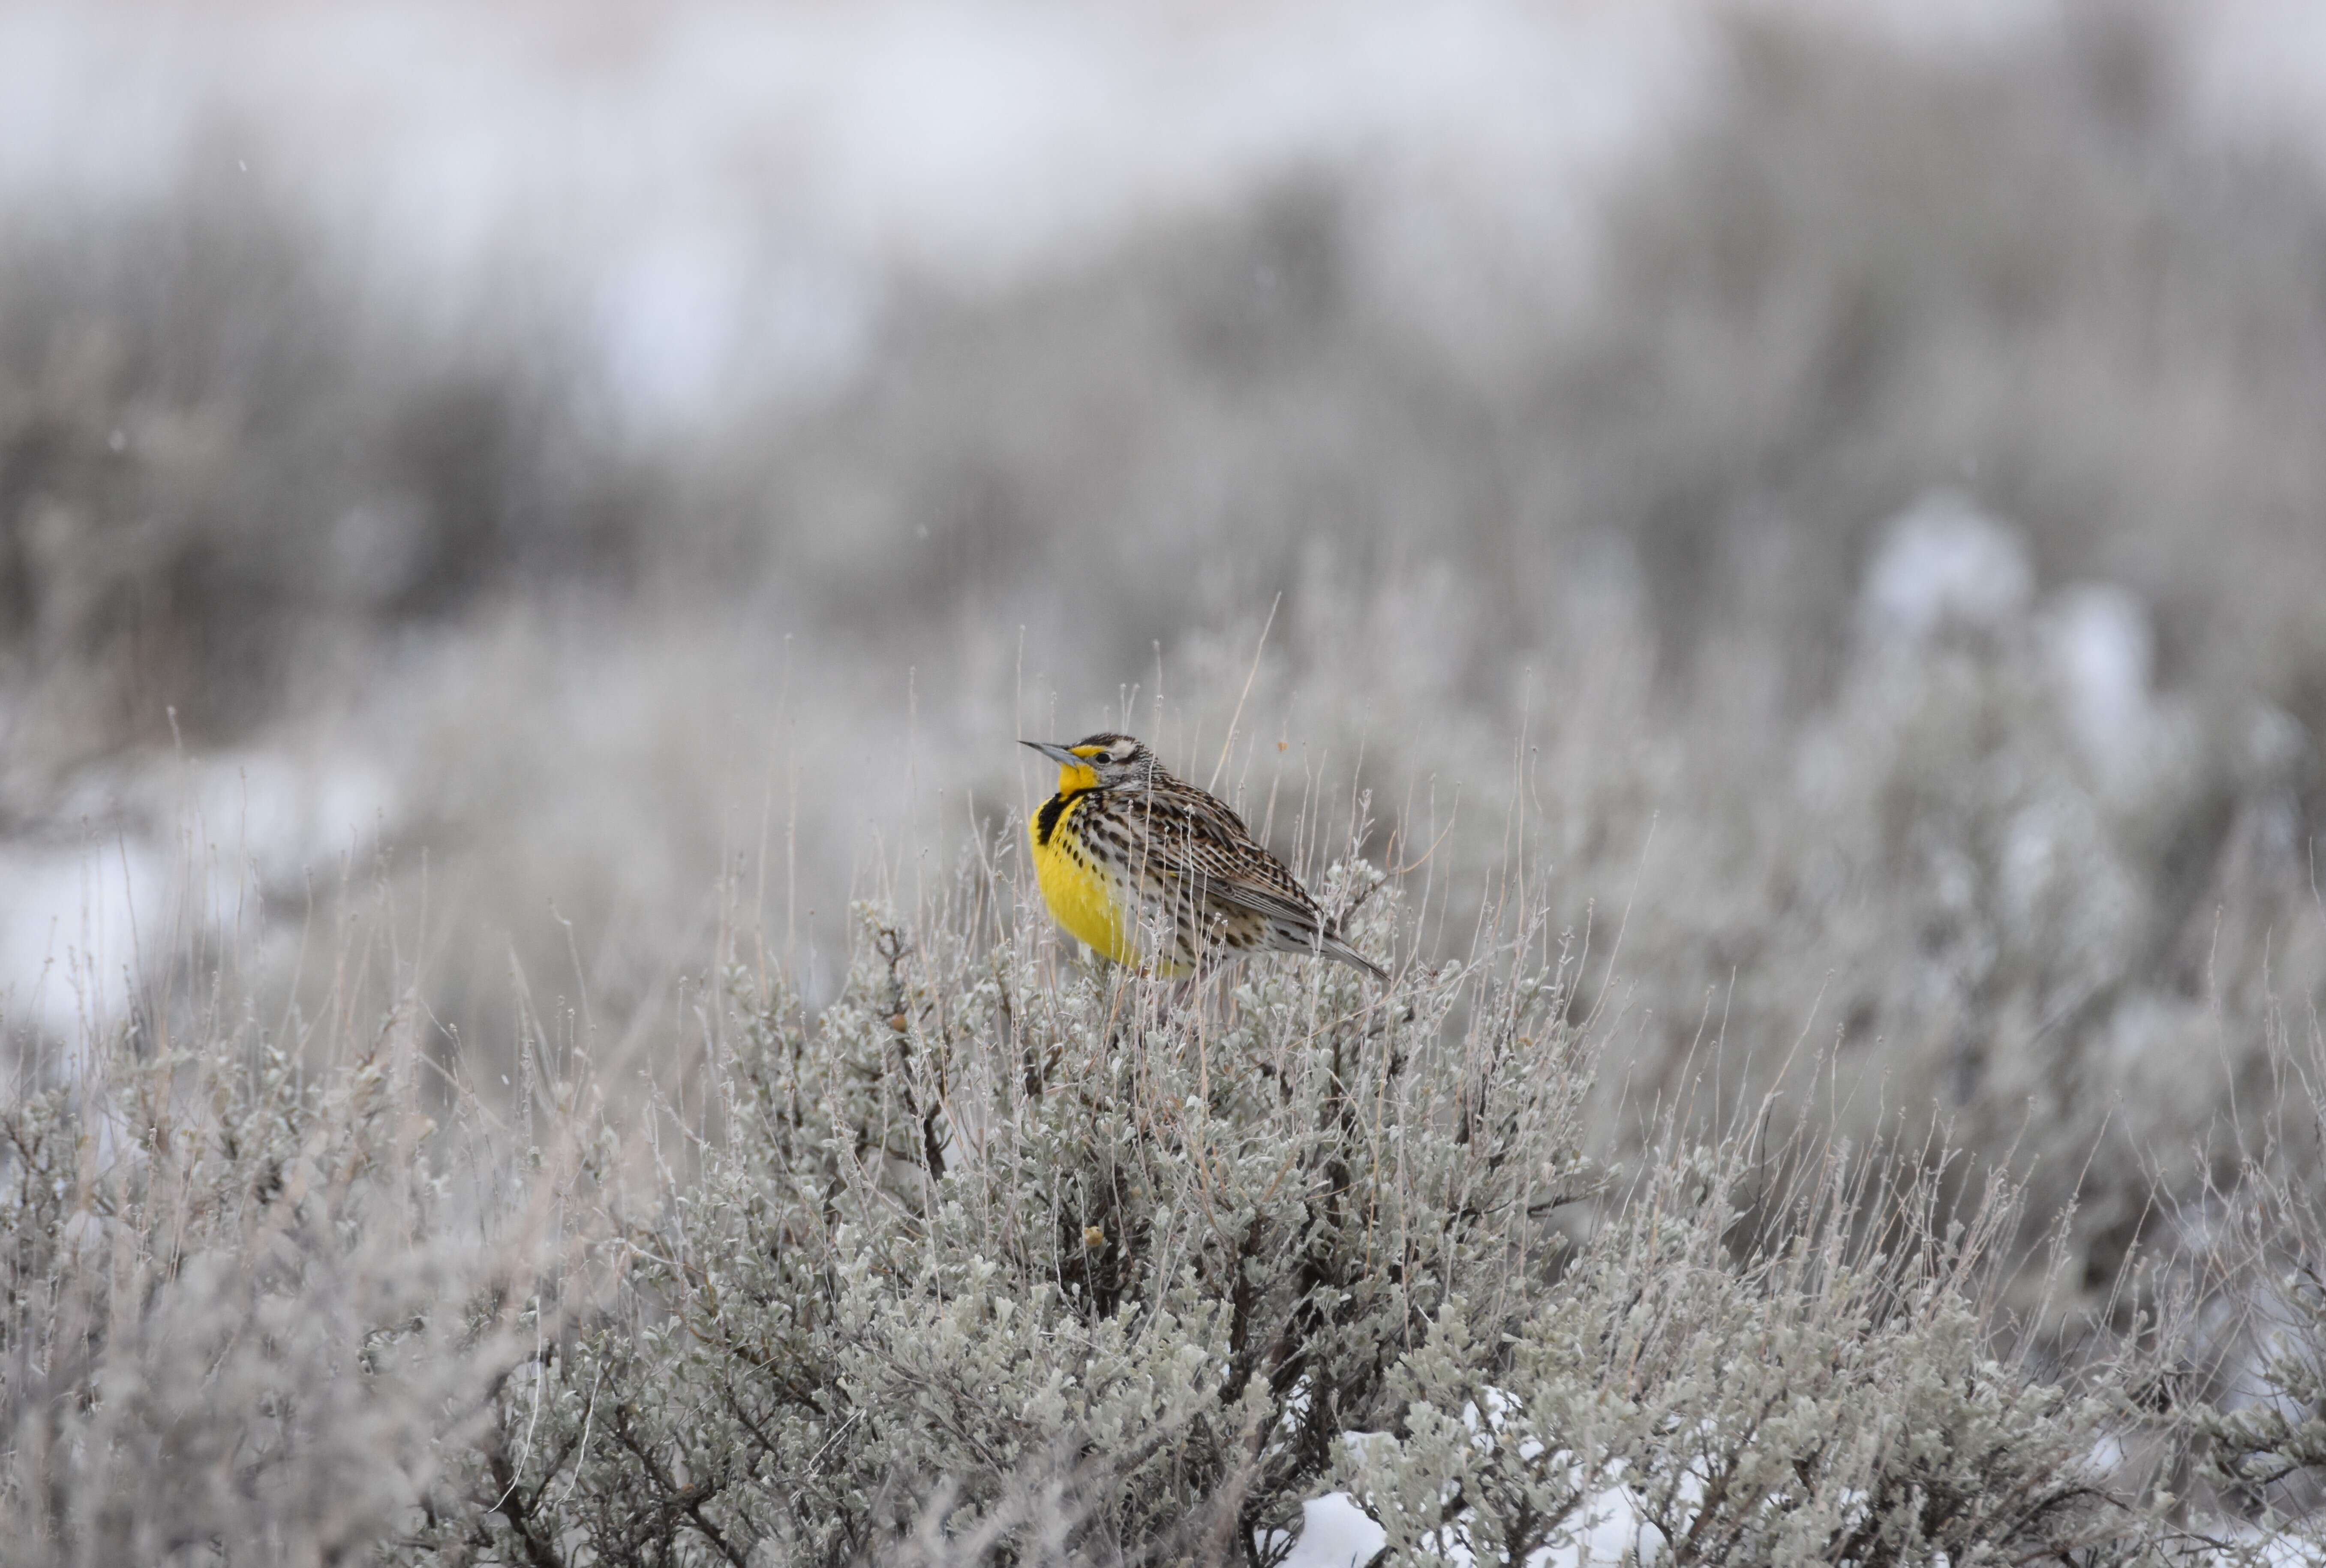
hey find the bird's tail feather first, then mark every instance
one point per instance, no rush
(1333, 947)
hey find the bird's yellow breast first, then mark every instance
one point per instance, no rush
(1082, 897)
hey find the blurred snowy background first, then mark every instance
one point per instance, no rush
(1846, 489)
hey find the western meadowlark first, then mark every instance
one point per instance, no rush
(1148, 869)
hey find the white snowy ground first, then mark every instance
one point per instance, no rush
(1336, 1534)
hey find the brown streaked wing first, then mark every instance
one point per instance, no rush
(1207, 843)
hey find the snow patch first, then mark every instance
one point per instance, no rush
(188, 847)
(2100, 654)
(1334, 1532)
(279, 817)
(72, 921)
(1945, 566)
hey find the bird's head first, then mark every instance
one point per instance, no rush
(1098, 762)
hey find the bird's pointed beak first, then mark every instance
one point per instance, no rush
(1055, 753)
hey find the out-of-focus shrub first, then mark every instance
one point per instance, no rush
(228, 455)
(230, 1295)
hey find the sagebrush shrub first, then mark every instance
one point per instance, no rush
(1837, 1398)
(224, 1335)
(996, 1257)
(983, 1233)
